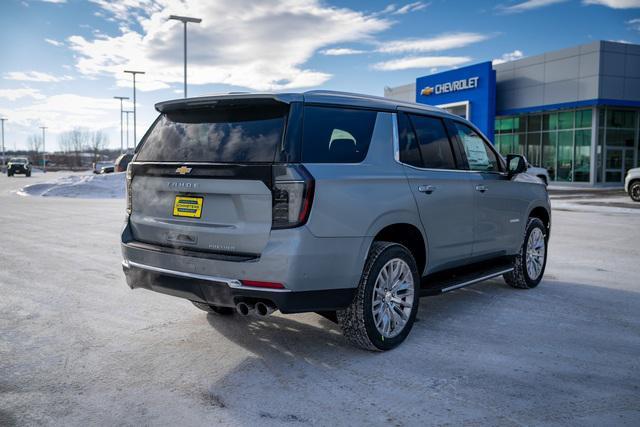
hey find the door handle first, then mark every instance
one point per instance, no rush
(427, 189)
(481, 188)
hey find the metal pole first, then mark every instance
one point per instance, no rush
(121, 98)
(133, 73)
(44, 153)
(185, 20)
(3, 160)
(127, 113)
(185, 59)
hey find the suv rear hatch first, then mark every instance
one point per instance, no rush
(215, 177)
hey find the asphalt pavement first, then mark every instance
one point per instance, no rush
(78, 347)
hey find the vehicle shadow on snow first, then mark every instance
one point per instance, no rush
(301, 369)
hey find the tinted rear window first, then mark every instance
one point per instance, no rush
(336, 135)
(223, 135)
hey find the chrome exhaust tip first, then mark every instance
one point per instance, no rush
(244, 308)
(263, 309)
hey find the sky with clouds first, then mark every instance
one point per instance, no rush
(63, 60)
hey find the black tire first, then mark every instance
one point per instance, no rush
(519, 277)
(9, 173)
(223, 311)
(634, 191)
(28, 174)
(357, 321)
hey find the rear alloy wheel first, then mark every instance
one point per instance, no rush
(386, 302)
(634, 191)
(530, 263)
(223, 311)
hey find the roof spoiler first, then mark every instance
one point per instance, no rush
(237, 98)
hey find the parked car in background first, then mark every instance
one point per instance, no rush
(373, 203)
(123, 161)
(19, 165)
(541, 173)
(98, 166)
(107, 169)
(632, 184)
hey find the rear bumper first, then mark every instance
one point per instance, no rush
(229, 292)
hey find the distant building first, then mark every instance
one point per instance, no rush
(574, 111)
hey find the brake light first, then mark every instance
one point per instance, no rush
(293, 188)
(129, 196)
(258, 284)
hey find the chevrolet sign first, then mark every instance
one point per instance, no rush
(458, 85)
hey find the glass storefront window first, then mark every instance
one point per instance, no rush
(565, 120)
(583, 118)
(565, 156)
(535, 123)
(582, 156)
(620, 138)
(550, 121)
(533, 148)
(549, 149)
(621, 119)
(518, 146)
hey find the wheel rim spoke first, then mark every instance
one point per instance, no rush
(392, 299)
(535, 253)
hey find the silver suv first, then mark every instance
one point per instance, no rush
(347, 205)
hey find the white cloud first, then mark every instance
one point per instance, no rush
(421, 62)
(340, 51)
(411, 7)
(434, 44)
(259, 45)
(34, 76)
(509, 56)
(54, 42)
(615, 4)
(527, 5)
(54, 1)
(13, 94)
(65, 111)
(634, 23)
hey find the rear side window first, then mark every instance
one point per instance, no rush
(336, 135)
(222, 135)
(430, 142)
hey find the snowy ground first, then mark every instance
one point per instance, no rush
(85, 185)
(77, 347)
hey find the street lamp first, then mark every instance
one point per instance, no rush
(44, 153)
(127, 113)
(3, 119)
(185, 20)
(121, 98)
(133, 73)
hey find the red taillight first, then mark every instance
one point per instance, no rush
(292, 190)
(258, 284)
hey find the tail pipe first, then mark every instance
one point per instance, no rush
(244, 308)
(264, 309)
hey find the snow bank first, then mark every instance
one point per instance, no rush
(107, 186)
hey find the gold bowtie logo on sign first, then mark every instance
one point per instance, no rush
(183, 170)
(426, 91)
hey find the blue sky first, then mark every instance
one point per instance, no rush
(62, 61)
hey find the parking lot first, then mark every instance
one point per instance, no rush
(77, 346)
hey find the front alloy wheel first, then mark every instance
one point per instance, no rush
(634, 191)
(529, 264)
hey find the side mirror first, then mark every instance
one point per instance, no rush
(516, 164)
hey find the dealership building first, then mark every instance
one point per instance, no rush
(574, 111)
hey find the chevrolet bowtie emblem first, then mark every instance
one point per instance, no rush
(426, 91)
(183, 170)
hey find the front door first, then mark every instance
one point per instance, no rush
(617, 162)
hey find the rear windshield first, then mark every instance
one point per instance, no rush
(223, 135)
(336, 135)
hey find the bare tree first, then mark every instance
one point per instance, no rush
(34, 143)
(79, 139)
(98, 142)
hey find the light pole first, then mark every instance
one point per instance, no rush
(127, 113)
(121, 98)
(3, 119)
(133, 73)
(44, 153)
(185, 20)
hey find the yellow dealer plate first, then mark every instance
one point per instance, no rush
(188, 206)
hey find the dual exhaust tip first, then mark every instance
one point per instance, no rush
(260, 308)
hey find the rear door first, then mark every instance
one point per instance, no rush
(442, 192)
(201, 180)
